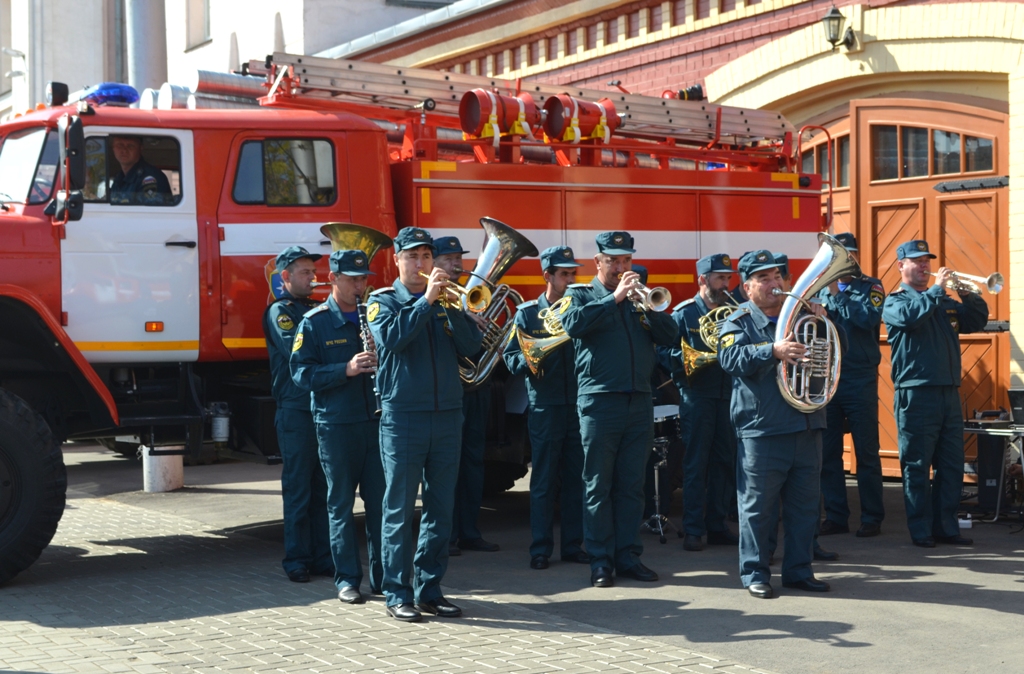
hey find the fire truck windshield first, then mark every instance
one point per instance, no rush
(28, 165)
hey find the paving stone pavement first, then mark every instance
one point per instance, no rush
(128, 589)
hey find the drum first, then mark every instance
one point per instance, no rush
(666, 422)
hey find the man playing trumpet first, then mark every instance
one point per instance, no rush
(418, 344)
(924, 325)
(615, 358)
(557, 451)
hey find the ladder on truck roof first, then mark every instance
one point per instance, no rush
(399, 88)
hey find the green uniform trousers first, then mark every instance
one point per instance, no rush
(617, 431)
(930, 422)
(350, 455)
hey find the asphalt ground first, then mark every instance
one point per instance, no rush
(191, 581)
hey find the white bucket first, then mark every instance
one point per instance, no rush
(162, 473)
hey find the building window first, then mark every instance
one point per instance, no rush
(946, 151)
(633, 25)
(703, 9)
(285, 172)
(807, 162)
(915, 151)
(823, 161)
(843, 162)
(499, 63)
(654, 23)
(534, 53)
(727, 6)
(978, 154)
(612, 35)
(197, 18)
(571, 43)
(679, 12)
(552, 48)
(591, 37)
(884, 153)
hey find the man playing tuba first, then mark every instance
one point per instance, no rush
(779, 447)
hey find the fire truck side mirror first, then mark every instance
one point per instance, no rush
(72, 149)
(69, 205)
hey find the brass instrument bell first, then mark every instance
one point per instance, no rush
(478, 298)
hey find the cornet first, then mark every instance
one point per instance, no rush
(968, 283)
(649, 299)
(478, 298)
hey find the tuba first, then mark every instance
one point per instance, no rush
(503, 247)
(810, 384)
(348, 236)
(536, 349)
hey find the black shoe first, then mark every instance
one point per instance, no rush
(407, 613)
(478, 545)
(828, 527)
(811, 584)
(579, 558)
(440, 607)
(692, 543)
(638, 572)
(869, 530)
(822, 555)
(351, 595)
(299, 576)
(926, 542)
(721, 538)
(954, 540)
(761, 590)
(539, 562)
(453, 550)
(602, 577)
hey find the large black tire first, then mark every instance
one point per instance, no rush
(33, 485)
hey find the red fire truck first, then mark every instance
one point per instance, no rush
(136, 320)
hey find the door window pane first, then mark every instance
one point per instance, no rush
(285, 172)
(946, 150)
(884, 157)
(823, 163)
(843, 162)
(978, 153)
(915, 152)
(807, 162)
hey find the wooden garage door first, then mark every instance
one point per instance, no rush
(901, 150)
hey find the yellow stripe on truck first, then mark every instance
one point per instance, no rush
(138, 346)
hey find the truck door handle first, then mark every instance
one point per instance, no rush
(182, 244)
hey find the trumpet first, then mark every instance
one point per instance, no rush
(477, 298)
(968, 283)
(649, 299)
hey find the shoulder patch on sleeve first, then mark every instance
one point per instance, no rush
(285, 322)
(371, 311)
(877, 295)
(727, 340)
(297, 344)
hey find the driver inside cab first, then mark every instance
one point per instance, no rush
(138, 182)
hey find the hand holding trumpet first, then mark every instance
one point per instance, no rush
(628, 282)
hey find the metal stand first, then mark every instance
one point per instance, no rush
(657, 522)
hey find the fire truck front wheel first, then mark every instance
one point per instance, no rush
(33, 483)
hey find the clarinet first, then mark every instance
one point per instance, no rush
(364, 334)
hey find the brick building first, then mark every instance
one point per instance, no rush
(926, 92)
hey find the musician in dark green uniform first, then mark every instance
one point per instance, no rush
(329, 359)
(556, 448)
(924, 325)
(855, 305)
(615, 358)
(303, 485)
(476, 407)
(709, 461)
(779, 453)
(418, 344)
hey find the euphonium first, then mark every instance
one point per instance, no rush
(536, 349)
(503, 247)
(810, 384)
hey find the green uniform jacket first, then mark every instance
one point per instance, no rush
(710, 381)
(557, 385)
(614, 342)
(745, 352)
(280, 323)
(418, 345)
(858, 311)
(923, 329)
(324, 344)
